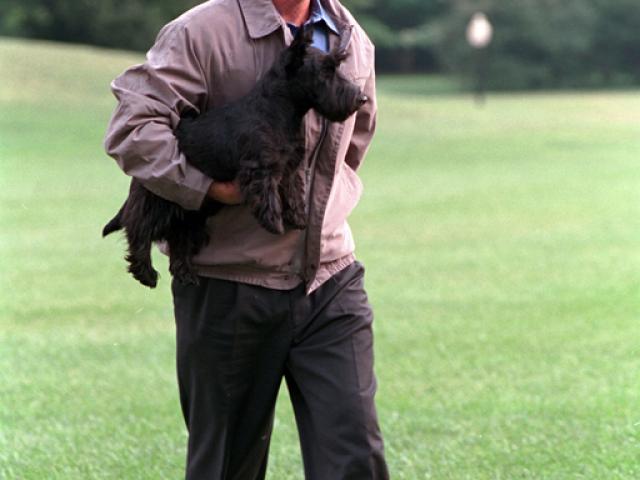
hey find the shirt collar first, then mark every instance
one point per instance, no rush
(319, 14)
(262, 18)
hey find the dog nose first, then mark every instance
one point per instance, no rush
(363, 99)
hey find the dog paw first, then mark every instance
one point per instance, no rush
(145, 275)
(295, 220)
(299, 226)
(272, 224)
(184, 273)
(276, 226)
(188, 278)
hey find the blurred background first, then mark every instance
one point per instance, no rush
(500, 228)
(541, 43)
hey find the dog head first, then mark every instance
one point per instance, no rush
(314, 77)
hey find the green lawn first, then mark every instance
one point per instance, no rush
(502, 247)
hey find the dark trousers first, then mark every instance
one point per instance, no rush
(235, 343)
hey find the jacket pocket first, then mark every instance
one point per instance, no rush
(336, 238)
(344, 196)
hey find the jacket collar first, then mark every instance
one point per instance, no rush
(262, 18)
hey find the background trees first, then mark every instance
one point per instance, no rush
(548, 43)
(537, 43)
(126, 24)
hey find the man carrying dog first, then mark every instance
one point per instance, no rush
(267, 306)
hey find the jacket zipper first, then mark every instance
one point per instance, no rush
(309, 175)
(311, 166)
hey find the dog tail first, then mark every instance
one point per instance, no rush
(115, 223)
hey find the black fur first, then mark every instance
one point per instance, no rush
(257, 139)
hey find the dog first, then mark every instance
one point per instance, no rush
(257, 140)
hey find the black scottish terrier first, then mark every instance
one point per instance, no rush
(258, 140)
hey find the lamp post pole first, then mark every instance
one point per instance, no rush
(479, 36)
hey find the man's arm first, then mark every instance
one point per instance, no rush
(151, 98)
(365, 126)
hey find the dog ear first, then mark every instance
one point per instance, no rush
(298, 49)
(333, 60)
(340, 53)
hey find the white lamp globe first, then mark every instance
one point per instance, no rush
(479, 31)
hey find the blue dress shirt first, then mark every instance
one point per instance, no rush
(322, 24)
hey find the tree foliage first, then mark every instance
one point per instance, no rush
(130, 24)
(537, 43)
(548, 43)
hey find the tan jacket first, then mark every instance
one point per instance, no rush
(214, 54)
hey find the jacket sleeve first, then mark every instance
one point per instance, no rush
(365, 126)
(151, 97)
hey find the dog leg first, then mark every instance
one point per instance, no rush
(294, 209)
(181, 247)
(293, 192)
(260, 188)
(139, 259)
(199, 239)
(293, 187)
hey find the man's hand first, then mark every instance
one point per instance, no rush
(226, 192)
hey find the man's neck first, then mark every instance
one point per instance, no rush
(295, 12)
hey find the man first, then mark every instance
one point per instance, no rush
(267, 306)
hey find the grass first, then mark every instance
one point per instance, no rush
(502, 254)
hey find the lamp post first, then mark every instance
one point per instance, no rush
(479, 36)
